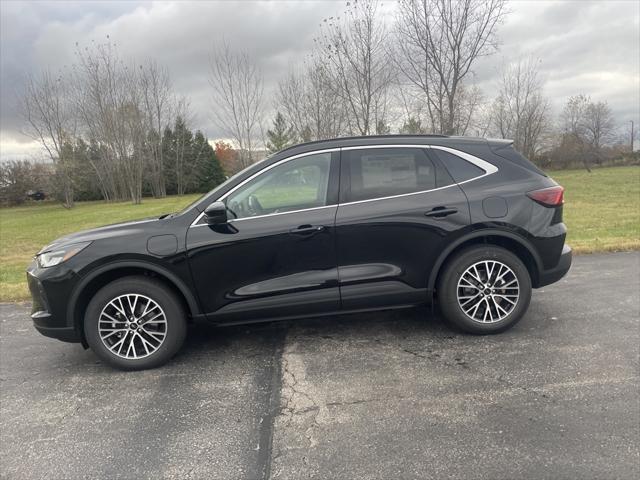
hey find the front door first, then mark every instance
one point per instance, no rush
(276, 256)
(398, 210)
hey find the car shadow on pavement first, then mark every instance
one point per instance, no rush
(203, 339)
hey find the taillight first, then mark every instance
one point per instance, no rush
(549, 197)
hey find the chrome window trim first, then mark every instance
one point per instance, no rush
(260, 172)
(234, 220)
(488, 168)
(367, 147)
(397, 196)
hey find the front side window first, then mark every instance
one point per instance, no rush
(385, 172)
(294, 185)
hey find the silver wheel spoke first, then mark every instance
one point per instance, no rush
(488, 291)
(468, 299)
(145, 343)
(152, 319)
(119, 343)
(486, 310)
(508, 300)
(154, 334)
(467, 284)
(109, 318)
(108, 335)
(125, 333)
(499, 308)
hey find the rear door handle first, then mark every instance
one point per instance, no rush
(307, 229)
(441, 212)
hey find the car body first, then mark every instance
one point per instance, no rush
(342, 225)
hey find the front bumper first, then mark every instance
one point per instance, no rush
(49, 314)
(554, 274)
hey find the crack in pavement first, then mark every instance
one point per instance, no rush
(291, 403)
(272, 384)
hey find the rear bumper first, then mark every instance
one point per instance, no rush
(554, 274)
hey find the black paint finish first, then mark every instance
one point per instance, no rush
(346, 256)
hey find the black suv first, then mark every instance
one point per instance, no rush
(343, 225)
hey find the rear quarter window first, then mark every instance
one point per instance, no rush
(516, 157)
(458, 167)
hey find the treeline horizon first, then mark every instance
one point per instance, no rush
(116, 129)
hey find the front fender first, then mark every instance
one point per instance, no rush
(192, 303)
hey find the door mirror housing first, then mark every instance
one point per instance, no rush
(216, 213)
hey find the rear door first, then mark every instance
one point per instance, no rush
(398, 210)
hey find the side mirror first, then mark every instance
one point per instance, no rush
(216, 213)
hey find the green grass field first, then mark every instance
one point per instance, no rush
(602, 211)
(602, 208)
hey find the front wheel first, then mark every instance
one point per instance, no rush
(484, 289)
(135, 323)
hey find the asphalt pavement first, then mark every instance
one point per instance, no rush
(369, 396)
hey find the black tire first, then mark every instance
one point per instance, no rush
(175, 328)
(447, 290)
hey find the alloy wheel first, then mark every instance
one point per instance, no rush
(132, 326)
(488, 291)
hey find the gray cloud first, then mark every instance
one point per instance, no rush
(584, 47)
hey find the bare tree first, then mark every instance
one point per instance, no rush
(599, 125)
(572, 137)
(120, 106)
(49, 114)
(311, 104)
(111, 116)
(466, 107)
(355, 49)
(158, 104)
(438, 42)
(238, 108)
(521, 112)
(181, 141)
(587, 127)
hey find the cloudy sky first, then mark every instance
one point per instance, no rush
(590, 47)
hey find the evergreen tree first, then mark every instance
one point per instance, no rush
(281, 136)
(412, 126)
(382, 128)
(168, 159)
(306, 134)
(208, 172)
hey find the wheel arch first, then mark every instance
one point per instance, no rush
(515, 243)
(101, 276)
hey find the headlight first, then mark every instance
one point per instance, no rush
(60, 254)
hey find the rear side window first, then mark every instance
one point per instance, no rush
(516, 157)
(384, 172)
(458, 167)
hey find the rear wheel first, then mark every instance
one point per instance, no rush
(135, 323)
(484, 289)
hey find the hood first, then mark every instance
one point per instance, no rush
(108, 231)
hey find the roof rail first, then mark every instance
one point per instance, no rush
(357, 137)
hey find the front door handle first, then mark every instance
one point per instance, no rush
(441, 212)
(307, 229)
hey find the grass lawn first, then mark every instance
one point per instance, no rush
(602, 208)
(25, 230)
(602, 211)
